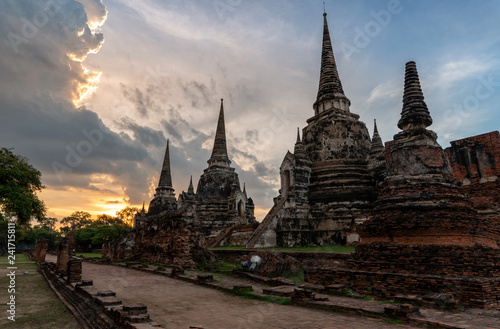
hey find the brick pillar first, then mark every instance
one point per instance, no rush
(120, 254)
(74, 270)
(62, 256)
(104, 251)
(112, 251)
(41, 250)
(72, 245)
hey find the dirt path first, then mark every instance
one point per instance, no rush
(178, 304)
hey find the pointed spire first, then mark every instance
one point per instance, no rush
(165, 176)
(244, 189)
(219, 152)
(190, 188)
(298, 149)
(143, 210)
(330, 86)
(377, 145)
(415, 113)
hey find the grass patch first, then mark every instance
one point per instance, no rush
(297, 277)
(19, 258)
(36, 304)
(319, 249)
(88, 255)
(393, 321)
(271, 299)
(228, 248)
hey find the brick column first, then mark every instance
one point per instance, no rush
(62, 256)
(74, 270)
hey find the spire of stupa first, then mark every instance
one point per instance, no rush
(415, 113)
(330, 87)
(190, 188)
(219, 151)
(165, 181)
(377, 145)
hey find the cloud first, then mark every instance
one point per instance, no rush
(147, 136)
(72, 147)
(141, 101)
(390, 89)
(114, 202)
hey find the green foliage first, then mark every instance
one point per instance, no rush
(96, 233)
(39, 233)
(127, 215)
(19, 182)
(76, 220)
(107, 219)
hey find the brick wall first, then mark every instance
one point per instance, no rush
(476, 159)
(170, 241)
(470, 291)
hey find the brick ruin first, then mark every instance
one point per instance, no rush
(475, 161)
(62, 256)
(41, 250)
(219, 202)
(170, 241)
(326, 188)
(331, 183)
(424, 236)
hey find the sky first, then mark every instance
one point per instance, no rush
(91, 90)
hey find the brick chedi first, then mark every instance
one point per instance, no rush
(220, 202)
(338, 145)
(164, 198)
(284, 224)
(420, 202)
(376, 161)
(424, 235)
(337, 189)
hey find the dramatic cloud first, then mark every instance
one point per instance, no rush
(90, 94)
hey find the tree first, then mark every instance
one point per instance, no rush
(127, 215)
(76, 220)
(19, 182)
(108, 219)
(48, 224)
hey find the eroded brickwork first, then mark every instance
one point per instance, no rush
(170, 241)
(62, 256)
(475, 161)
(424, 236)
(41, 250)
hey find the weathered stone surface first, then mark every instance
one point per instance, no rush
(170, 241)
(475, 161)
(276, 264)
(326, 186)
(41, 250)
(219, 201)
(62, 256)
(423, 235)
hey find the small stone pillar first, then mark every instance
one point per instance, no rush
(120, 254)
(112, 251)
(62, 256)
(104, 251)
(41, 250)
(72, 245)
(74, 270)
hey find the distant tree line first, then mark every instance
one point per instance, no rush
(19, 182)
